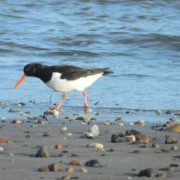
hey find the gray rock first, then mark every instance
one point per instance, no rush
(149, 172)
(93, 163)
(94, 130)
(117, 138)
(42, 152)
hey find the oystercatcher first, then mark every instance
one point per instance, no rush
(64, 78)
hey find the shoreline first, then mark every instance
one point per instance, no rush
(120, 160)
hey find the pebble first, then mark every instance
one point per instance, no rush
(65, 178)
(1, 148)
(178, 113)
(3, 103)
(89, 135)
(3, 141)
(84, 170)
(34, 125)
(76, 163)
(81, 118)
(117, 138)
(159, 111)
(170, 140)
(156, 146)
(13, 110)
(98, 146)
(132, 132)
(149, 172)
(131, 123)
(70, 170)
(17, 122)
(3, 119)
(174, 148)
(93, 163)
(54, 167)
(142, 138)
(94, 130)
(121, 124)
(58, 146)
(107, 123)
(42, 152)
(43, 169)
(131, 138)
(174, 128)
(64, 128)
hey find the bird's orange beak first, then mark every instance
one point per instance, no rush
(20, 81)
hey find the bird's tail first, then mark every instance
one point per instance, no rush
(106, 71)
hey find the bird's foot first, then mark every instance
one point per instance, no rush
(87, 109)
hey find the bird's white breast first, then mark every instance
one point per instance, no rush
(63, 85)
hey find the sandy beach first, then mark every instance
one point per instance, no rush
(66, 139)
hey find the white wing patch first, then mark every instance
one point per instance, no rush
(63, 85)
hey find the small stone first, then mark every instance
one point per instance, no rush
(131, 138)
(161, 175)
(89, 135)
(174, 148)
(96, 145)
(107, 123)
(3, 103)
(34, 125)
(170, 140)
(142, 138)
(156, 146)
(65, 178)
(3, 141)
(43, 169)
(13, 110)
(76, 163)
(93, 163)
(3, 119)
(168, 112)
(165, 150)
(70, 170)
(118, 119)
(174, 128)
(132, 132)
(149, 172)
(80, 118)
(117, 138)
(131, 123)
(84, 170)
(17, 122)
(42, 152)
(141, 121)
(178, 113)
(1, 148)
(54, 167)
(58, 146)
(94, 130)
(121, 124)
(159, 111)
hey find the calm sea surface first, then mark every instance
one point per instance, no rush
(138, 39)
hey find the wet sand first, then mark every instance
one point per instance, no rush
(120, 160)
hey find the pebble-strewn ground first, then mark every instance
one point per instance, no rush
(80, 147)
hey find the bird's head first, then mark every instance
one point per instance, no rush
(29, 70)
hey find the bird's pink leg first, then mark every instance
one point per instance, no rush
(57, 108)
(86, 107)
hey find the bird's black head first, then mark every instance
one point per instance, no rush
(32, 69)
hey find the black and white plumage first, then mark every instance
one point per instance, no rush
(65, 78)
